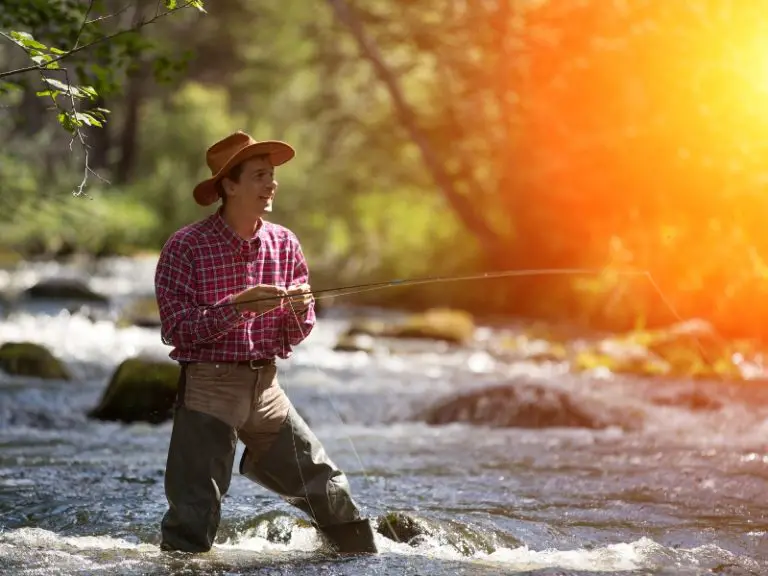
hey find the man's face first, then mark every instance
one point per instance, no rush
(256, 188)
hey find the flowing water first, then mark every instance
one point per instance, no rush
(684, 494)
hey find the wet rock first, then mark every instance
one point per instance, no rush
(63, 289)
(445, 325)
(365, 327)
(141, 312)
(355, 343)
(415, 531)
(694, 400)
(140, 390)
(689, 349)
(693, 349)
(529, 405)
(620, 358)
(402, 527)
(442, 325)
(524, 347)
(33, 360)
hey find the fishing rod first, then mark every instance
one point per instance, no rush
(356, 288)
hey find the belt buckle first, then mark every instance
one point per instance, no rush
(254, 365)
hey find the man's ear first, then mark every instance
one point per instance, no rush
(226, 185)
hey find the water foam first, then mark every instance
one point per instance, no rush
(35, 547)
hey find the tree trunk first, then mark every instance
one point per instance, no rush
(130, 129)
(468, 212)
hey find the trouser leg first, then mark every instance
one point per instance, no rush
(197, 476)
(296, 467)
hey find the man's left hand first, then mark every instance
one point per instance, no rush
(299, 297)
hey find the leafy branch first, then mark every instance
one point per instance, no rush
(47, 57)
(65, 95)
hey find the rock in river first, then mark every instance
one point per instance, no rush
(141, 390)
(530, 405)
(29, 359)
(63, 289)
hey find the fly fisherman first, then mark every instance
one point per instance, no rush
(207, 277)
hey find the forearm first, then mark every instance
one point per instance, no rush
(184, 326)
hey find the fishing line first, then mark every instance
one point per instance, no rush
(394, 283)
(359, 288)
(341, 420)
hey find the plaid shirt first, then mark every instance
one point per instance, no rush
(207, 263)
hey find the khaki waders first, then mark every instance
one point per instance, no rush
(219, 403)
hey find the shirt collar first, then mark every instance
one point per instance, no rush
(230, 236)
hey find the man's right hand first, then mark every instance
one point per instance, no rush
(244, 300)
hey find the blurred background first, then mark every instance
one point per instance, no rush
(433, 138)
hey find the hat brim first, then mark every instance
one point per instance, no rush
(206, 193)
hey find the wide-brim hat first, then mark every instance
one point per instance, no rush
(231, 151)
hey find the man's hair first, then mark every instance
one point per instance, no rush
(234, 174)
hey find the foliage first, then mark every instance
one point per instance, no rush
(433, 138)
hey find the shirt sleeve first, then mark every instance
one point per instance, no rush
(184, 322)
(299, 324)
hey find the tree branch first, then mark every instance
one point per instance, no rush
(77, 49)
(82, 26)
(464, 208)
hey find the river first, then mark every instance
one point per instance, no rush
(684, 494)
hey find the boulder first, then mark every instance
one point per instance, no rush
(365, 327)
(529, 405)
(141, 312)
(412, 530)
(34, 360)
(402, 527)
(140, 390)
(454, 326)
(355, 343)
(63, 289)
(438, 324)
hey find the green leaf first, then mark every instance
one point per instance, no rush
(25, 40)
(197, 4)
(58, 84)
(87, 119)
(170, 4)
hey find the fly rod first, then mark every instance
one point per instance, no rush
(355, 288)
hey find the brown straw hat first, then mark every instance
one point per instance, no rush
(232, 150)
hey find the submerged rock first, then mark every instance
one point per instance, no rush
(63, 289)
(140, 390)
(402, 527)
(34, 360)
(529, 405)
(414, 531)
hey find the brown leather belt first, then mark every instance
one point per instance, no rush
(256, 364)
(252, 364)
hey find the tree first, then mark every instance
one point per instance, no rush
(55, 38)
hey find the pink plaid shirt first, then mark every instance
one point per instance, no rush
(207, 263)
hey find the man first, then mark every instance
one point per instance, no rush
(212, 283)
